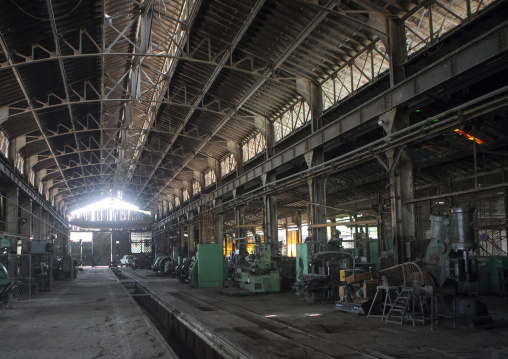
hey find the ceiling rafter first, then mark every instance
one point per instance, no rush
(21, 84)
(225, 57)
(288, 52)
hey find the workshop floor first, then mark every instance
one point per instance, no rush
(90, 317)
(95, 317)
(297, 330)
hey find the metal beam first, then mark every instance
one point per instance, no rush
(485, 48)
(288, 52)
(223, 60)
(102, 101)
(22, 86)
(58, 51)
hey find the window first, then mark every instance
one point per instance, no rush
(254, 146)
(210, 178)
(291, 120)
(4, 144)
(20, 163)
(31, 178)
(196, 187)
(41, 187)
(363, 69)
(177, 201)
(228, 165)
(185, 195)
(141, 242)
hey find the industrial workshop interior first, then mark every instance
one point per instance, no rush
(254, 179)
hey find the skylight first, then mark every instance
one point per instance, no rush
(108, 203)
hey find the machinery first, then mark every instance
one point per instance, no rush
(210, 269)
(257, 272)
(448, 261)
(184, 270)
(447, 258)
(167, 264)
(42, 263)
(327, 271)
(7, 286)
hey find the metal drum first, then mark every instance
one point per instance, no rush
(463, 228)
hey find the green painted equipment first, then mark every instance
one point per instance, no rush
(259, 274)
(7, 286)
(302, 261)
(210, 263)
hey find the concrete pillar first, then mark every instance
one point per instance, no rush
(397, 50)
(11, 218)
(218, 173)
(267, 129)
(314, 97)
(237, 151)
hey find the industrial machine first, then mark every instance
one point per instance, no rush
(257, 272)
(7, 286)
(447, 257)
(326, 271)
(449, 262)
(42, 263)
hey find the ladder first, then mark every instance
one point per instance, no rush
(397, 312)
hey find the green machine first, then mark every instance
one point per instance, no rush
(259, 273)
(210, 266)
(302, 260)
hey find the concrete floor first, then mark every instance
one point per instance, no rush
(94, 317)
(296, 333)
(90, 317)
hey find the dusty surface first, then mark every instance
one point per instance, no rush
(90, 317)
(292, 331)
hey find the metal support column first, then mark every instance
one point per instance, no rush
(182, 245)
(218, 223)
(400, 163)
(271, 229)
(317, 185)
(190, 235)
(11, 218)
(240, 231)
(26, 219)
(36, 218)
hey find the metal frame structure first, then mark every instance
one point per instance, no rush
(146, 97)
